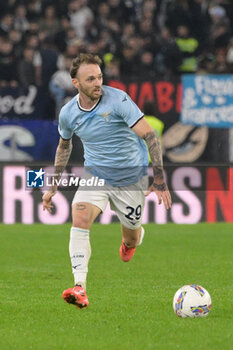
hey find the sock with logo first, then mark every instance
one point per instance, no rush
(80, 252)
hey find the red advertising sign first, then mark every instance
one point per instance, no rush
(199, 194)
(166, 94)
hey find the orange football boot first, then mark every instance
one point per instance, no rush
(126, 253)
(76, 296)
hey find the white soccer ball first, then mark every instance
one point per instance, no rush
(192, 301)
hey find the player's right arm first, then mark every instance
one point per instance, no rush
(63, 152)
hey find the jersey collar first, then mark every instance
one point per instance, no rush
(88, 110)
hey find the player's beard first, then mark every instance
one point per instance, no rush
(92, 93)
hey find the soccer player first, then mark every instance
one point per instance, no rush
(115, 136)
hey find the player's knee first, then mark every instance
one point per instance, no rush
(82, 221)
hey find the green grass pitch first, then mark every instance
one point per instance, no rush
(130, 303)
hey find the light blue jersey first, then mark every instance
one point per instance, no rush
(112, 150)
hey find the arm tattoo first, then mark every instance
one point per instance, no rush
(153, 144)
(62, 156)
(161, 187)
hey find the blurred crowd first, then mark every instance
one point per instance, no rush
(136, 39)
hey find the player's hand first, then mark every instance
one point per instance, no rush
(47, 199)
(162, 193)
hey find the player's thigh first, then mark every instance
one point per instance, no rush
(86, 206)
(84, 214)
(129, 205)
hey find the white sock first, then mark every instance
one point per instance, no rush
(141, 236)
(80, 252)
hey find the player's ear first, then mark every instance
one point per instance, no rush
(75, 83)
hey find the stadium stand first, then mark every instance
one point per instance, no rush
(122, 31)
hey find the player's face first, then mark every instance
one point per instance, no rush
(89, 81)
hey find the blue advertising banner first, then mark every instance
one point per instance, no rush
(27, 140)
(207, 100)
(23, 102)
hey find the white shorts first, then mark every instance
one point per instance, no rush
(127, 201)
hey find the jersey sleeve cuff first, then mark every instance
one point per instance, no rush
(65, 139)
(131, 126)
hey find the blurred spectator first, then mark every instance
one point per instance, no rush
(206, 64)
(80, 16)
(188, 47)
(146, 33)
(112, 70)
(94, 28)
(74, 47)
(33, 27)
(221, 66)
(200, 20)
(62, 37)
(118, 11)
(93, 48)
(6, 24)
(70, 35)
(149, 10)
(32, 41)
(168, 57)
(221, 35)
(135, 43)
(15, 38)
(220, 31)
(44, 59)
(228, 6)
(66, 38)
(146, 67)
(49, 22)
(218, 15)
(61, 85)
(179, 13)
(106, 43)
(20, 20)
(114, 28)
(102, 15)
(127, 32)
(49, 58)
(128, 59)
(27, 68)
(34, 9)
(8, 71)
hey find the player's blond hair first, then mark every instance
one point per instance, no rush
(86, 58)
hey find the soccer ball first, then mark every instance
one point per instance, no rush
(192, 301)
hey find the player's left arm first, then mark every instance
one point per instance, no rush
(145, 131)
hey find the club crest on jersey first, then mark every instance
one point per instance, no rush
(105, 115)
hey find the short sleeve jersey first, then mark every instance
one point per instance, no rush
(112, 150)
